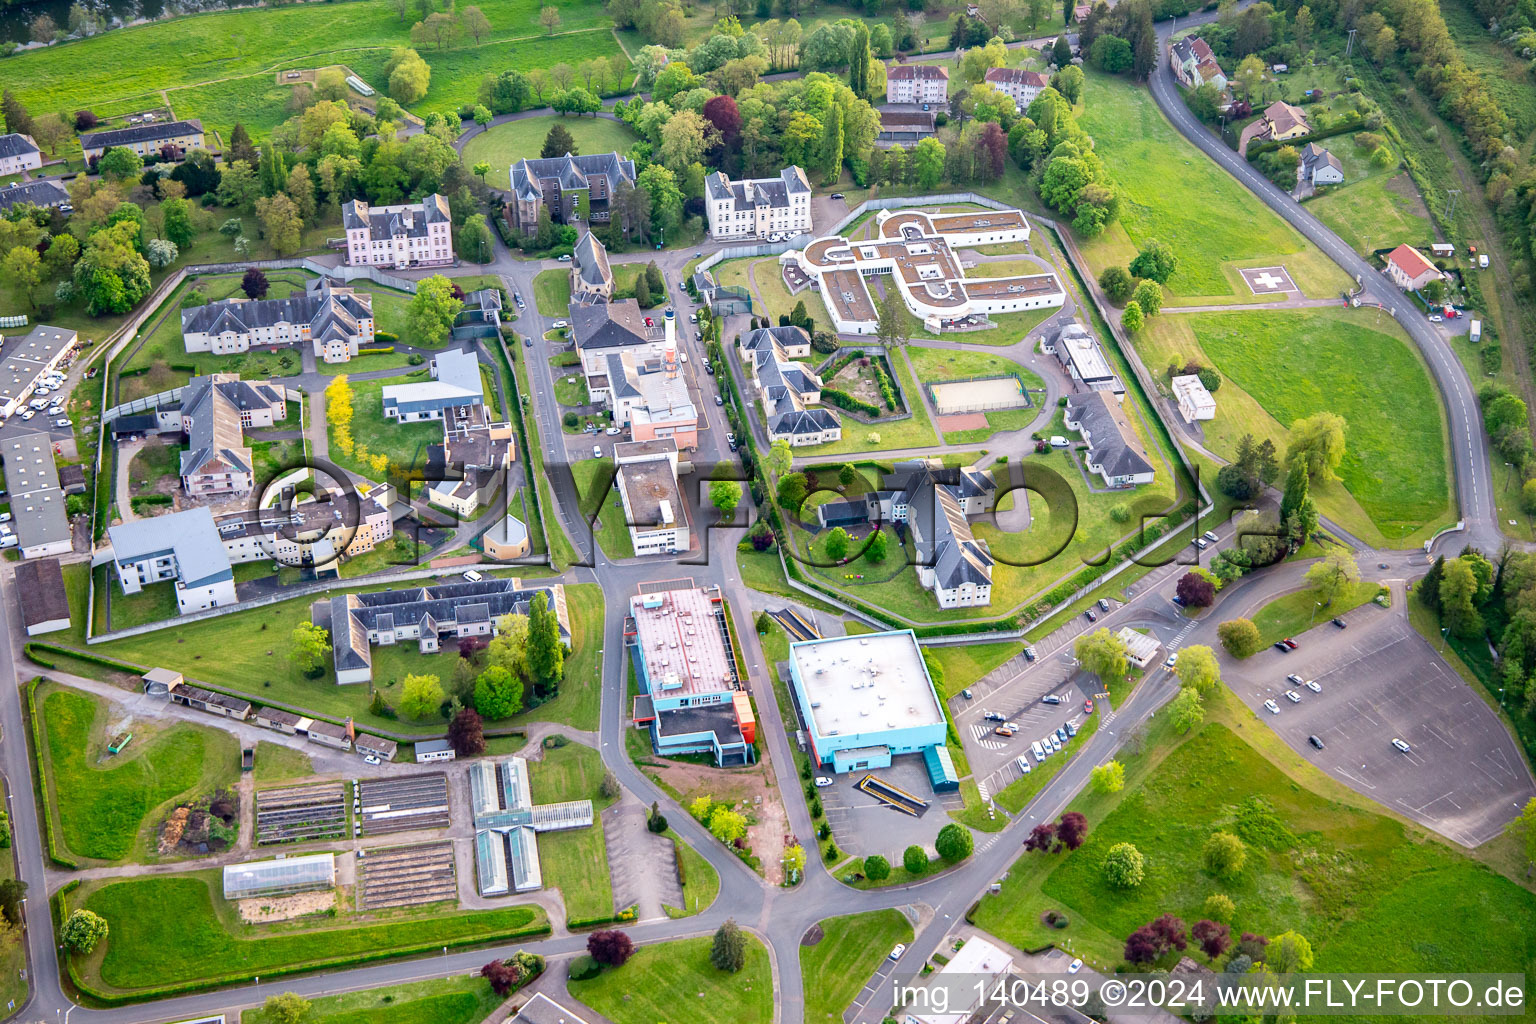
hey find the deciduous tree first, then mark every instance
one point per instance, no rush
(498, 693)
(549, 19)
(310, 646)
(286, 1008)
(420, 696)
(82, 931)
(1333, 575)
(954, 842)
(1108, 777)
(1197, 668)
(877, 868)
(915, 860)
(1195, 591)
(1123, 866)
(466, 733)
(1155, 261)
(1071, 830)
(1101, 653)
(1317, 442)
(1187, 710)
(1224, 854)
(430, 314)
(610, 946)
(1240, 637)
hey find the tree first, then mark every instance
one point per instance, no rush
(286, 1008)
(475, 23)
(549, 19)
(311, 644)
(878, 869)
(23, 268)
(928, 163)
(420, 696)
(954, 842)
(1295, 496)
(643, 292)
(1132, 319)
(11, 892)
(610, 947)
(794, 861)
(1224, 854)
(728, 951)
(1101, 653)
(894, 329)
(874, 550)
(281, 223)
(498, 693)
(1041, 838)
(792, 491)
(474, 240)
(430, 314)
(1458, 599)
(1117, 283)
(408, 75)
(1187, 710)
(62, 253)
(1317, 442)
(466, 733)
(504, 976)
(836, 545)
(725, 495)
(43, 29)
(17, 120)
(915, 860)
(1108, 777)
(1110, 54)
(546, 651)
(1197, 668)
(1155, 261)
(82, 931)
(119, 164)
(1195, 591)
(1071, 830)
(1219, 907)
(111, 276)
(1214, 938)
(1331, 576)
(1061, 52)
(1288, 953)
(1123, 866)
(1240, 637)
(780, 457)
(1149, 296)
(847, 475)
(558, 142)
(254, 283)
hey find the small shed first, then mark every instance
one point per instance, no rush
(159, 682)
(434, 750)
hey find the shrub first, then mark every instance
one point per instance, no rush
(954, 842)
(1124, 867)
(610, 947)
(877, 868)
(915, 860)
(584, 967)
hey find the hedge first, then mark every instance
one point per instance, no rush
(42, 789)
(95, 659)
(843, 400)
(387, 337)
(184, 368)
(379, 350)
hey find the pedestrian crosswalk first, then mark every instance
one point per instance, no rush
(984, 736)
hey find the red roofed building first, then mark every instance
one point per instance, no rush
(1410, 269)
(1018, 84)
(917, 83)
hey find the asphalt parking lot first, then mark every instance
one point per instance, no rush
(1462, 777)
(863, 825)
(994, 758)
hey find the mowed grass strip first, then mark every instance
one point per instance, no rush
(675, 982)
(456, 1000)
(1299, 362)
(1145, 156)
(575, 862)
(102, 809)
(1294, 614)
(178, 930)
(506, 144)
(835, 969)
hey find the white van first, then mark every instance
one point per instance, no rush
(1039, 754)
(1057, 441)
(472, 576)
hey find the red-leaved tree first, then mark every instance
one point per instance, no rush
(1072, 830)
(1214, 938)
(1042, 837)
(1195, 591)
(611, 947)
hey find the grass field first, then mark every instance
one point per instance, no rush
(506, 144)
(675, 982)
(1293, 363)
(107, 805)
(552, 291)
(177, 930)
(1296, 613)
(936, 364)
(1226, 229)
(275, 763)
(575, 862)
(1365, 889)
(701, 882)
(456, 1000)
(13, 945)
(1375, 208)
(115, 68)
(836, 969)
(404, 443)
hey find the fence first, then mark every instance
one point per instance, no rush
(949, 395)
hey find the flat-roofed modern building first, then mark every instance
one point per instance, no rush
(970, 973)
(686, 673)
(282, 877)
(1195, 401)
(654, 511)
(37, 501)
(1078, 352)
(866, 699)
(27, 359)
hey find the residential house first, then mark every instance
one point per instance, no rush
(1283, 122)
(456, 382)
(1318, 166)
(19, 153)
(215, 410)
(1195, 65)
(1078, 352)
(38, 509)
(654, 510)
(758, 207)
(376, 746)
(1115, 453)
(555, 183)
(43, 194)
(144, 139)
(1194, 400)
(790, 389)
(1018, 84)
(333, 320)
(917, 83)
(591, 276)
(182, 547)
(416, 234)
(1410, 269)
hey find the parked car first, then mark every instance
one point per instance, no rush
(1290, 644)
(1074, 966)
(1280, 646)
(1071, 728)
(372, 759)
(1057, 441)
(1173, 659)
(10, 540)
(1435, 318)
(1103, 605)
(1200, 542)
(61, 423)
(822, 782)
(472, 576)
(1400, 745)
(1293, 696)
(966, 693)
(1272, 707)
(1088, 706)
(1311, 684)
(836, 195)
(993, 716)
(1029, 653)
(597, 451)
(28, 414)
(613, 431)
(1050, 698)
(1210, 535)
(1091, 616)
(565, 259)
(562, 323)
(5, 517)
(1023, 762)
(1004, 730)
(1293, 678)
(1340, 623)
(527, 341)
(719, 400)
(1315, 742)
(729, 437)
(901, 947)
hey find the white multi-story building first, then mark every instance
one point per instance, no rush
(183, 548)
(756, 207)
(917, 83)
(652, 498)
(1018, 84)
(412, 235)
(19, 153)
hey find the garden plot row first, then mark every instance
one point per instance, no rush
(400, 805)
(297, 814)
(407, 875)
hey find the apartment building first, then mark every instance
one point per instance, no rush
(410, 235)
(759, 207)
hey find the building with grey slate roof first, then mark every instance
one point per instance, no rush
(554, 183)
(935, 503)
(37, 502)
(409, 235)
(333, 321)
(426, 615)
(144, 139)
(1115, 453)
(215, 410)
(591, 276)
(183, 548)
(1319, 167)
(44, 194)
(758, 207)
(790, 390)
(19, 153)
(917, 83)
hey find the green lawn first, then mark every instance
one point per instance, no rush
(1226, 228)
(276, 763)
(701, 882)
(1322, 861)
(836, 969)
(124, 68)
(575, 862)
(1293, 363)
(612, 531)
(936, 364)
(912, 432)
(157, 460)
(176, 932)
(506, 144)
(108, 806)
(572, 390)
(1375, 208)
(552, 291)
(457, 1000)
(1294, 614)
(675, 982)
(13, 945)
(964, 664)
(404, 443)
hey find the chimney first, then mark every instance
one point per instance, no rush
(746, 190)
(669, 356)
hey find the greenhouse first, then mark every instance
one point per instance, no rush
(280, 877)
